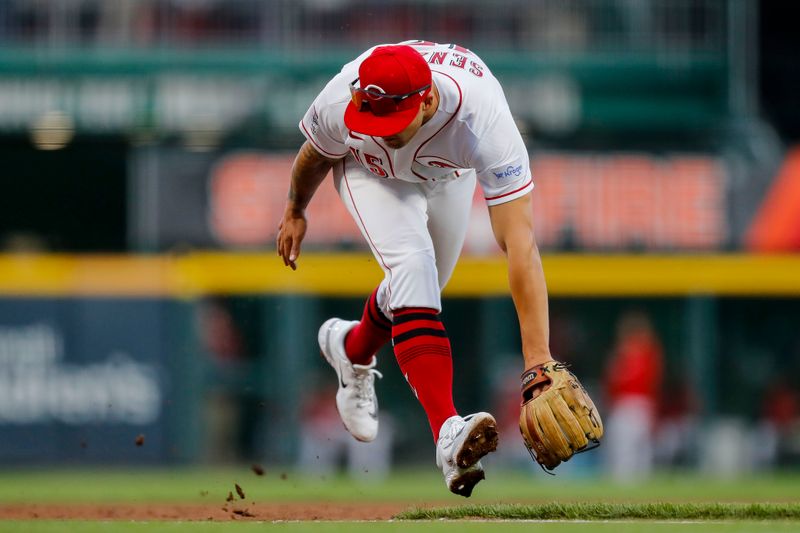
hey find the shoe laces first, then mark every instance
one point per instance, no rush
(364, 379)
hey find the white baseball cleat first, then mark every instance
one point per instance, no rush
(462, 442)
(355, 400)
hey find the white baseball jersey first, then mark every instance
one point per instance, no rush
(471, 129)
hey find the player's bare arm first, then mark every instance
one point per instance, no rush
(309, 169)
(557, 417)
(512, 224)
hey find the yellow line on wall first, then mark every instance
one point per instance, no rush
(357, 274)
(324, 274)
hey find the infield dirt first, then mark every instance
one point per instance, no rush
(195, 512)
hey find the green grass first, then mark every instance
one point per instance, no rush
(504, 495)
(612, 511)
(426, 486)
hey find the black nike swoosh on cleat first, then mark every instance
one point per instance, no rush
(338, 373)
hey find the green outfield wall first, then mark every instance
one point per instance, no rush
(111, 91)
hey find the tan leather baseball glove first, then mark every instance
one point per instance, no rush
(557, 418)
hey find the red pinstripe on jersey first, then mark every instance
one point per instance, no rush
(510, 193)
(426, 141)
(391, 167)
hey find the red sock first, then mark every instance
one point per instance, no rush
(369, 335)
(423, 353)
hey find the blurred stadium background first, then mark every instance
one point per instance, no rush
(145, 147)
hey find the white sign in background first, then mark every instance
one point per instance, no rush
(37, 386)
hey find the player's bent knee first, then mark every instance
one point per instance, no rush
(417, 269)
(415, 282)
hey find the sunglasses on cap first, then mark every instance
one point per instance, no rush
(377, 102)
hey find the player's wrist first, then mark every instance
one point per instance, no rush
(533, 359)
(296, 202)
(295, 210)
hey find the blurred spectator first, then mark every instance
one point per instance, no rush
(233, 401)
(220, 334)
(126, 22)
(775, 434)
(557, 27)
(677, 431)
(633, 381)
(325, 444)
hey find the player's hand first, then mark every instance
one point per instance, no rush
(291, 232)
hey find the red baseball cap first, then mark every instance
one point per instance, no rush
(385, 98)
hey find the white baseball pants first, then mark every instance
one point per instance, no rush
(415, 230)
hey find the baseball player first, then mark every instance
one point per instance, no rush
(408, 130)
